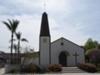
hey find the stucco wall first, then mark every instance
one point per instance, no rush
(44, 50)
(57, 48)
(27, 61)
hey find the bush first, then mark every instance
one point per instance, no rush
(13, 71)
(31, 68)
(41, 69)
(88, 67)
(93, 56)
(54, 68)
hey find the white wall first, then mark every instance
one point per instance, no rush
(44, 51)
(27, 61)
(68, 46)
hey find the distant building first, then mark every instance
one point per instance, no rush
(5, 57)
(2, 58)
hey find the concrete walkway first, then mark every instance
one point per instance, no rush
(2, 71)
(65, 71)
(72, 70)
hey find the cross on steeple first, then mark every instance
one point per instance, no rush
(76, 55)
(44, 5)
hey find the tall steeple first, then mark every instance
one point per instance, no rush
(45, 41)
(44, 25)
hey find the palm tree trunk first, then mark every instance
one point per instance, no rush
(11, 56)
(19, 51)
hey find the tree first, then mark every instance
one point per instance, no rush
(18, 35)
(15, 54)
(90, 44)
(94, 56)
(12, 26)
(90, 47)
(15, 48)
(96, 44)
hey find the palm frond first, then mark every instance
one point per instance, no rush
(7, 25)
(24, 39)
(10, 22)
(18, 35)
(15, 25)
(11, 25)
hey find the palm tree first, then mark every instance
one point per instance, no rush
(12, 26)
(18, 35)
(15, 46)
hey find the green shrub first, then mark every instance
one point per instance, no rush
(54, 68)
(88, 67)
(13, 71)
(41, 69)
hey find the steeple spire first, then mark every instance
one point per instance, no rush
(44, 25)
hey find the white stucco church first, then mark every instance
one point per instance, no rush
(60, 51)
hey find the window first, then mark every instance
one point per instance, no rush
(62, 43)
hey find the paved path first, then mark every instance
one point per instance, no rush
(59, 74)
(65, 71)
(2, 71)
(72, 70)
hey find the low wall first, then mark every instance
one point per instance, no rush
(30, 60)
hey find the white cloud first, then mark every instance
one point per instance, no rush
(67, 18)
(29, 26)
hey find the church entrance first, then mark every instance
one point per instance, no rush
(63, 58)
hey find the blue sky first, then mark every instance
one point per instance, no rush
(76, 20)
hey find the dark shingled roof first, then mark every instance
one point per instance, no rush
(44, 25)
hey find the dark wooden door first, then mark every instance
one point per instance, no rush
(62, 59)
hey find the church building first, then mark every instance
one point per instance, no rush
(60, 51)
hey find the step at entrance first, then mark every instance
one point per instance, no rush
(72, 70)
